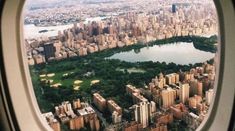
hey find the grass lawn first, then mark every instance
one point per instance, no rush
(58, 78)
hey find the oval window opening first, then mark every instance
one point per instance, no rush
(122, 65)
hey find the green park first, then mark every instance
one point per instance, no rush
(80, 77)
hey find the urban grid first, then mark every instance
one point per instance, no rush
(167, 100)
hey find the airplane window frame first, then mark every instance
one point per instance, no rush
(22, 103)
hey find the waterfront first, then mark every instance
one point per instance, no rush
(32, 31)
(99, 76)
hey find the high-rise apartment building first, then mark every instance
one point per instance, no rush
(173, 8)
(112, 106)
(131, 89)
(161, 81)
(138, 98)
(53, 123)
(94, 124)
(209, 96)
(184, 92)
(193, 101)
(193, 87)
(168, 97)
(116, 117)
(99, 101)
(39, 59)
(178, 110)
(153, 107)
(169, 79)
(172, 78)
(58, 46)
(49, 50)
(76, 104)
(142, 113)
(76, 123)
(200, 88)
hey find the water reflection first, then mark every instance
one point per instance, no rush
(179, 53)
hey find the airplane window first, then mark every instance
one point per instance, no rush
(122, 65)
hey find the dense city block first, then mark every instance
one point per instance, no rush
(79, 87)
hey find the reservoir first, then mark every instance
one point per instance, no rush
(178, 53)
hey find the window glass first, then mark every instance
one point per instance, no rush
(122, 64)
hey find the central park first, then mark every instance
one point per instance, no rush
(80, 77)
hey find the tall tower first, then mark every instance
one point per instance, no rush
(57, 46)
(49, 50)
(199, 88)
(70, 41)
(161, 81)
(173, 8)
(142, 113)
(209, 96)
(110, 29)
(168, 97)
(184, 92)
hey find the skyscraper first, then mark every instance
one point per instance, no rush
(99, 101)
(76, 123)
(153, 107)
(172, 78)
(49, 50)
(70, 41)
(161, 81)
(209, 96)
(57, 46)
(184, 92)
(168, 97)
(142, 113)
(193, 87)
(173, 8)
(199, 88)
(169, 79)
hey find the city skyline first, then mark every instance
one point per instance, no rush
(78, 88)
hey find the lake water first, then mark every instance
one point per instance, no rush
(178, 53)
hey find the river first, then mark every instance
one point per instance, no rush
(32, 31)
